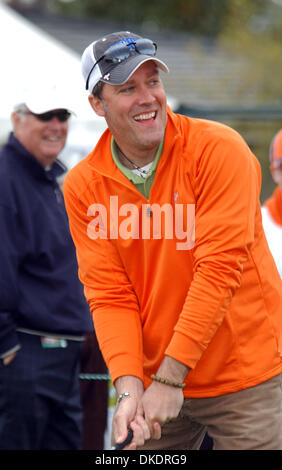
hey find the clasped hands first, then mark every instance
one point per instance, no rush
(145, 412)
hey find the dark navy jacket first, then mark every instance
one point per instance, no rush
(39, 286)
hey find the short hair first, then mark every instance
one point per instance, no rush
(97, 90)
(21, 110)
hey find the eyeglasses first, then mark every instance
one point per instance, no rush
(119, 52)
(62, 115)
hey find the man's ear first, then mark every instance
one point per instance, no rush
(15, 118)
(97, 105)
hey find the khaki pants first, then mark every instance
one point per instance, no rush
(250, 419)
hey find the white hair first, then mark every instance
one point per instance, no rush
(21, 110)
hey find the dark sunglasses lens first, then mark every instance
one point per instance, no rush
(117, 54)
(146, 46)
(44, 116)
(61, 115)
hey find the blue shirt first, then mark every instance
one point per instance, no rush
(39, 286)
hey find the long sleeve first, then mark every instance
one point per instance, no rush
(226, 186)
(109, 292)
(9, 289)
(154, 296)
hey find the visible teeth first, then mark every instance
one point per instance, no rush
(53, 139)
(142, 117)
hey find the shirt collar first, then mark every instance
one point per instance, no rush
(56, 169)
(127, 172)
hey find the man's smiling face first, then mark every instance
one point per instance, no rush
(44, 140)
(136, 112)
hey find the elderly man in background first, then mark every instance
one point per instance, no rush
(43, 312)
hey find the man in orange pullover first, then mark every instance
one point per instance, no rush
(272, 208)
(185, 295)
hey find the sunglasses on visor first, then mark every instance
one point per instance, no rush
(119, 52)
(61, 115)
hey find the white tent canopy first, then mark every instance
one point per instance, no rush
(32, 60)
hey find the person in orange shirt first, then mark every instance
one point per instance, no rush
(185, 295)
(272, 208)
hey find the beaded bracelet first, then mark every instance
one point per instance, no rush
(167, 382)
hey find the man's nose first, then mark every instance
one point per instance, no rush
(145, 95)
